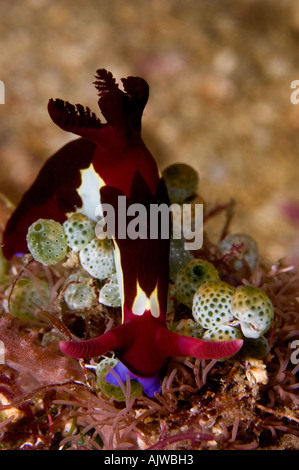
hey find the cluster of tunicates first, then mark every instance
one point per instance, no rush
(49, 242)
(224, 312)
(220, 311)
(23, 297)
(219, 304)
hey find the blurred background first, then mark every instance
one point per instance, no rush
(220, 74)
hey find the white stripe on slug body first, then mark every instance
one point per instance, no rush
(89, 192)
(143, 303)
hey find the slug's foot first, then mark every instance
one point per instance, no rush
(150, 385)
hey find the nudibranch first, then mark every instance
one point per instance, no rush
(110, 160)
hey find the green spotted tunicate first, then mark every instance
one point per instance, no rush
(110, 390)
(46, 241)
(222, 333)
(79, 230)
(78, 293)
(181, 181)
(187, 327)
(178, 256)
(110, 293)
(24, 296)
(212, 304)
(97, 258)
(190, 277)
(254, 310)
(4, 268)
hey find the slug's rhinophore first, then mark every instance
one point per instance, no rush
(110, 160)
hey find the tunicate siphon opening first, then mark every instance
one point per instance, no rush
(38, 227)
